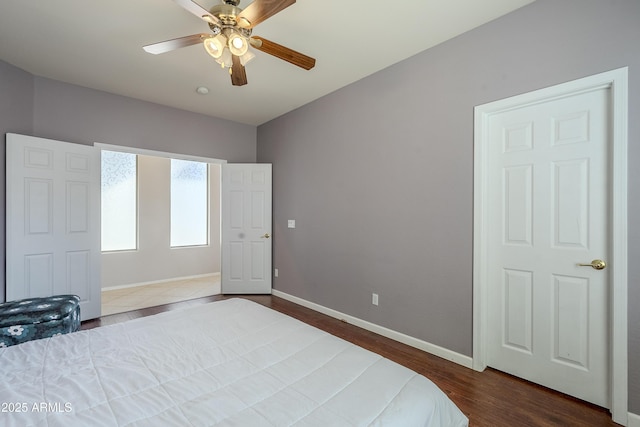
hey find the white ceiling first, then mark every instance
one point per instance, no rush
(98, 44)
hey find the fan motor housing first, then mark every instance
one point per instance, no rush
(227, 14)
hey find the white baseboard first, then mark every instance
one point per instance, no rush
(634, 420)
(436, 350)
(157, 282)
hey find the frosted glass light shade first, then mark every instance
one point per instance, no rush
(238, 45)
(225, 59)
(215, 45)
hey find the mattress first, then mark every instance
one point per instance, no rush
(226, 363)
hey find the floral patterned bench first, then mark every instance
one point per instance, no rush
(34, 318)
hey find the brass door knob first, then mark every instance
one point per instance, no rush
(596, 264)
(266, 235)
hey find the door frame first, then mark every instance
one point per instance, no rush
(167, 155)
(145, 152)
(617, 83)
(155, 153)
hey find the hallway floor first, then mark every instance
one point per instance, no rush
(134, 298)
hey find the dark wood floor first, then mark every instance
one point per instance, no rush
(488, 398)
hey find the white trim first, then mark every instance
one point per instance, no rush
(616, 81)
(436, 350)
(634, 420)
(157, 282)
(145, 152)
(619, 275)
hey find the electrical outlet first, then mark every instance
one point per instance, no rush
(374, 299)
(275, 272)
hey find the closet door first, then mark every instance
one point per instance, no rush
(53, 221)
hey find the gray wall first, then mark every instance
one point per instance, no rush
(379, 175)
(51, 109)
(77, 114)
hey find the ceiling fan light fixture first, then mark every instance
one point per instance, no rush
(215, 45)
(228, 42)
(238, 44)
(225, 59)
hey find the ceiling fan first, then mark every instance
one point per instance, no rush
(230, 37)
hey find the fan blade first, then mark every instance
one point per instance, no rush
(169, 45)
(260, 10)
(238, 73)
(279, 51)
(198, 10)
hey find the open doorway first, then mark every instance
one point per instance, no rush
(160, 262)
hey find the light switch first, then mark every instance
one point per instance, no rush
(291, 223)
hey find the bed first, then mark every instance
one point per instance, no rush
(227, 363)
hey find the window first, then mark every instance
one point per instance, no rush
(119, 201)
(189, 203)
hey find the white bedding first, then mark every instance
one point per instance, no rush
(227, 363)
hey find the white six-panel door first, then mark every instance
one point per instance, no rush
(246, 229)
(548, 213)
(53, 220)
